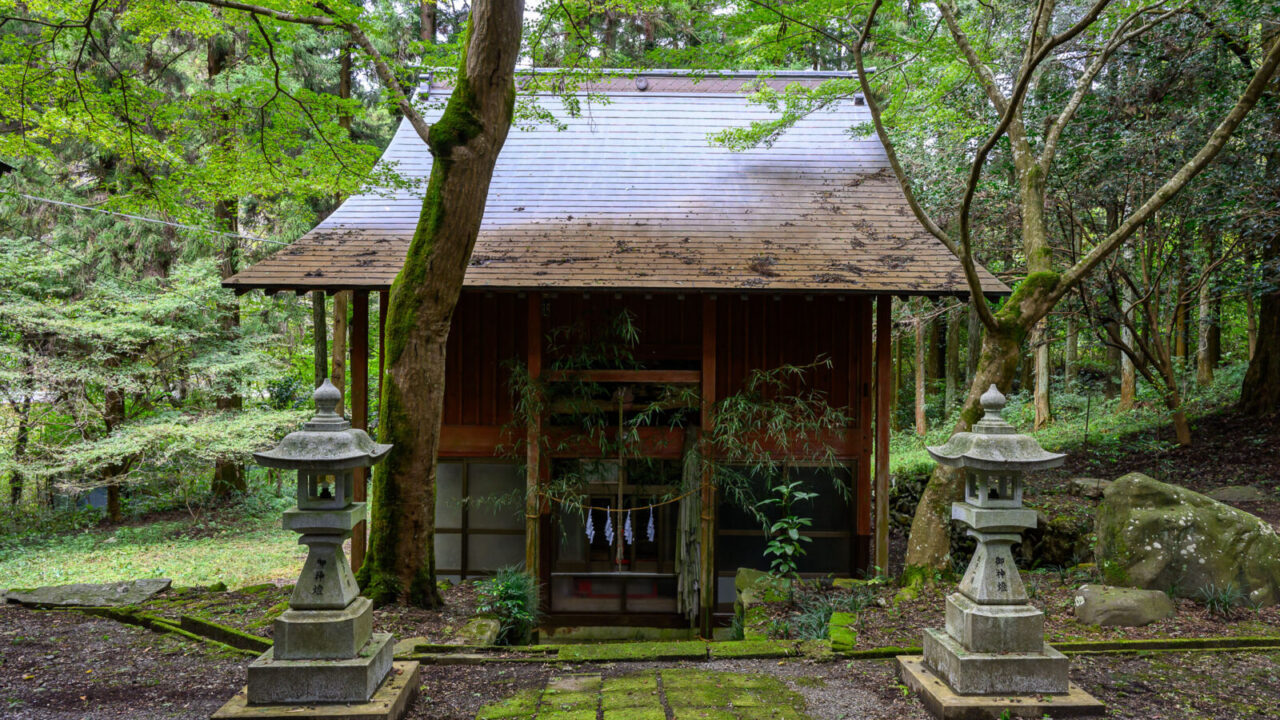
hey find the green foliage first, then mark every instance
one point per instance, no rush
(511, 595)
(786, 541)
(1222, 600)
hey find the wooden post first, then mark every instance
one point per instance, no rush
(884, 334)
(359, 404)
(384, 299)
(321, 344)
(533, 454)
(707, 581)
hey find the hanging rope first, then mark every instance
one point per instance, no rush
(571, 503)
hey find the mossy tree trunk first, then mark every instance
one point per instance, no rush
(464, 142)
(1260, 391)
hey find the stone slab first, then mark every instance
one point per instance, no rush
(972, 673)
(324, 634)
(390, 702)
(273, 681)
(943, 702)
(117, 594)
(1122, 607)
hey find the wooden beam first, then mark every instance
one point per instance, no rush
(884, 407)
(860, 375)
(687, 377)
(359, 370)
(707, 581)
(533, 455)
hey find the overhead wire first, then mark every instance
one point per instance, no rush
(141, 218)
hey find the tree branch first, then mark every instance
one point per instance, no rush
(1217, 140)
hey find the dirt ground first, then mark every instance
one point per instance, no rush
(58, 665)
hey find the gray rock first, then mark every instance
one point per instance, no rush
(118, 594)
(480, 631)
(1123, 607)
(1158, 536)
(1089, 487)
(1237, 493)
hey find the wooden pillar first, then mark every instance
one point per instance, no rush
(384, 298)
(320, 331)
(707, 581)
(860, 435)
(533, 449)
(884, 335)
(359, 372)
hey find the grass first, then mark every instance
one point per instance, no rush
(243, 551)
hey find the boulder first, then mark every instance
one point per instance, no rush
(1158, 536)
(1089, 487)
(1237, 493)
(480, 630)
(117, 594)
(759, 586)
(1123, 607)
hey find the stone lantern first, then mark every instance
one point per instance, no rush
(325, 650)
(993, 644)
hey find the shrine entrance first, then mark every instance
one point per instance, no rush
(614, 548)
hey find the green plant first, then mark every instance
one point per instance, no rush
(512, 596)
(1221, 600)
(786, 543)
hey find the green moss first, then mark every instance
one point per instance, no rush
(745, 649)
(518, 707)
(1010, 315)
(841, 633)
(612, 652)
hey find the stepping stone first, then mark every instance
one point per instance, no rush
(586, 682)
(118, 594)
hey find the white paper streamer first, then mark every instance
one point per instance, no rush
(650, 531)
(608, 524)
(591, 527)
(628, 536)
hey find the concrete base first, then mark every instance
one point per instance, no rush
(390, 702)
(994, 628)
(943, 702)
(324, 634)
(275, 682)
(970, 673)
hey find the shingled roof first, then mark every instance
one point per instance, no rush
(631, 195)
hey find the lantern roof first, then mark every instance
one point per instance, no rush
(994, 444)
(325, 442)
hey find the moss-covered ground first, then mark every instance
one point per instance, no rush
(654, 695)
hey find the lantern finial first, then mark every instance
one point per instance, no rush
(327, 398)
(992, 400)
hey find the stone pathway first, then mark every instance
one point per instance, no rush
(676, 694)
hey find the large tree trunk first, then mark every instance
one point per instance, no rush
(930, 540)
(228, 475)
(1128, 374)
(21, 439)
(953, 359)
(464, 142)
(975, 344)
(1209, 339)
(1071, 351)
(922, 425)
(1260, 391)
(427, 21)
(1040, 340)
(1251, 311)
(112, 417)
